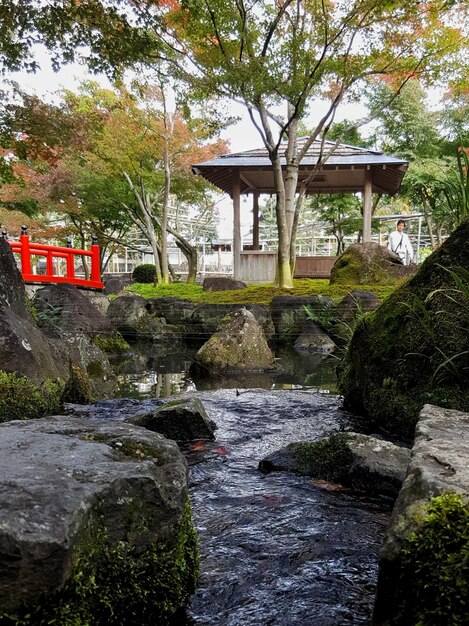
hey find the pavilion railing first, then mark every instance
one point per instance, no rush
(26, 249)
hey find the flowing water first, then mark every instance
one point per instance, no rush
(276, 549)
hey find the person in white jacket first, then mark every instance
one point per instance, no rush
(399, 243)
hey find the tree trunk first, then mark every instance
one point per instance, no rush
(164, 216)
(283, 274)
(191, 255)
(428, 222)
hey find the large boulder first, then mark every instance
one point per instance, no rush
(222, 283)
(64, 312)
(128, 314)
(424, 570)
(65, 309)
(115, 283)
(95, 524)
(368, 264)
(239, 346)
(182, 420)
(206, 319)
(23, 347)
(361, 462)
(414, 349)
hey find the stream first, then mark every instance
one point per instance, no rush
(276, 549)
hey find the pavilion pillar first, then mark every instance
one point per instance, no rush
(367, 205)
(255, 221)
(236, 226)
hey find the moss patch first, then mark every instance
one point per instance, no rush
(129, 581)
(434, 576)
(111, 343)
(95, 369)
(257, 294)
(328, 458)
(21, 399)
(78, 388)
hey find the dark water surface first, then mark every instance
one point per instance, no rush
(277, 549)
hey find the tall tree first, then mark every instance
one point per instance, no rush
(434, 181)
(274, 57)
(111, 158)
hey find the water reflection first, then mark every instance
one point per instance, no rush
(149, 372)
(276, 549)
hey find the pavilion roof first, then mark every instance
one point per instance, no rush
(343, 172)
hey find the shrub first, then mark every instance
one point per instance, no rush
(144, 273)
(22, 399)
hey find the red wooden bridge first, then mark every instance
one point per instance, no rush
(26, 249)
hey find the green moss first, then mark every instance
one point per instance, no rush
(21, 398)
(32, 309)
(434, 576)
(327, 458)
(172, 403)
(131, 580)
(128, 447)
(78, 388)
(137, 450)
(111, 343)
(95, 369)
(257, 294)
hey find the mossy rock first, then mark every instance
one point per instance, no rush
(414, 349)
(21, 398)
(78, 389)
(367, 264)
(433, 580)
(118, 583)
(111, 343)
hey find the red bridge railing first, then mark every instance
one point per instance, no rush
(26, 249)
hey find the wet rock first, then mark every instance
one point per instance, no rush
(314, 339)
(438, 466)
(114, 409)
(289, 315)
(414, 349)
(361, 462)
(127, 314)
(181, 420)
(222, 283)
(175, 311)
(64, 308)
(94, 516)
(206, 319)
(239, 346)
(368, 264)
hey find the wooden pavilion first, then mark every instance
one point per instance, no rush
(348, 169)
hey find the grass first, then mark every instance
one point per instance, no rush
(258, 294)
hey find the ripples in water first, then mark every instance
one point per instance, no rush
(278, 549)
